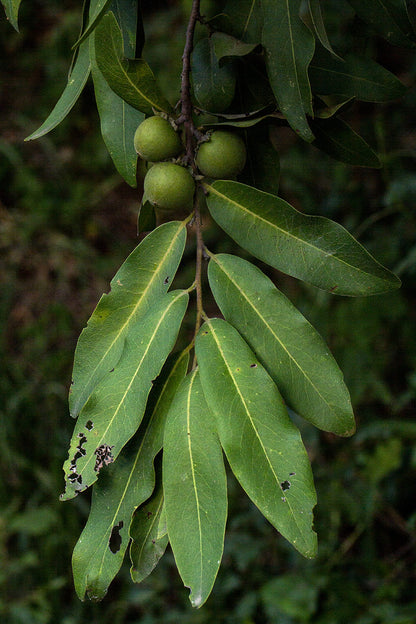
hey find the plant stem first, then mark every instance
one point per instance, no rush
(186, 119)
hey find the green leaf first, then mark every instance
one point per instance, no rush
(129, 18)
(213, 85)
(263, 447)
(195, 489)
(356, 77)
(228, 46)
(131, 79)
(128, 483)
(411, 13)
(11, 8)
(115, 409)
(291, 350)
(387, 18)
(314, 249)
(70, 95)
(242, 19)
(317, 22)
(98, 8)
(289, 47)
(339, 140)
(146, 219)
(119, 122)
(148, 545)
(143, 278)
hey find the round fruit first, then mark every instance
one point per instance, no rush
(155, 140)
(223, 156)
(169, 187)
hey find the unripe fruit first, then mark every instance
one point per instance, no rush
(169, 187)
(156, 140)
(223, 156)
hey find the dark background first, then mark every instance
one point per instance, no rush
(67, 221)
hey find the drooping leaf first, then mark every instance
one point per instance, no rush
(148, 545)
(128, 483)
(263, 447)
(411, 13)
(146, 219)
(317, 22)
(338, 139)
(115, 409)
(11, 8)
(289, 47)
(213, 85)
(195, 489)
(227, 46)
(98, 9)
(356, 77)
(242, 19)
(128, 15)
(131, 79)
(388, 19)
(143, 278)
(290, 349)
(70, 95)
(314, 249)
(119, 122)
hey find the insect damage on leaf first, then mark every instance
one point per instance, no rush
(115, 540)
(104, 456)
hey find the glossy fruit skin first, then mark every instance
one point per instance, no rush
(223, 156)
(156, 140)
(169, 187)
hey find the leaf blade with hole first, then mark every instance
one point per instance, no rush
(314, 249)
(263, 447)
(116, 406)
(290, 349)
(130, 482)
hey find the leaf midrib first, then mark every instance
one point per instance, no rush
(253, 426)
(300, 240)
(242, 292)
(133, 377)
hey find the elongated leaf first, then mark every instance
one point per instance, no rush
(293, 353)
(242, 19)
(143, 278)
(115, 409)
(97, 11)
(70, 95)
(119, 122)
(317, 21)
(11, 8)
(195, 489)
(148, 545)
(132, 80)
(339, 140)
(384, 17)
(213, 85)
(411, 13)
(101, 547)
(263, 447)
(289, 47)
(314, 249)
(356, 77)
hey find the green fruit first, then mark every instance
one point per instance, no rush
(169, 187)
(156, 140)
(223, 156)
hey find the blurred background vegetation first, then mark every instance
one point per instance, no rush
(67, 221)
